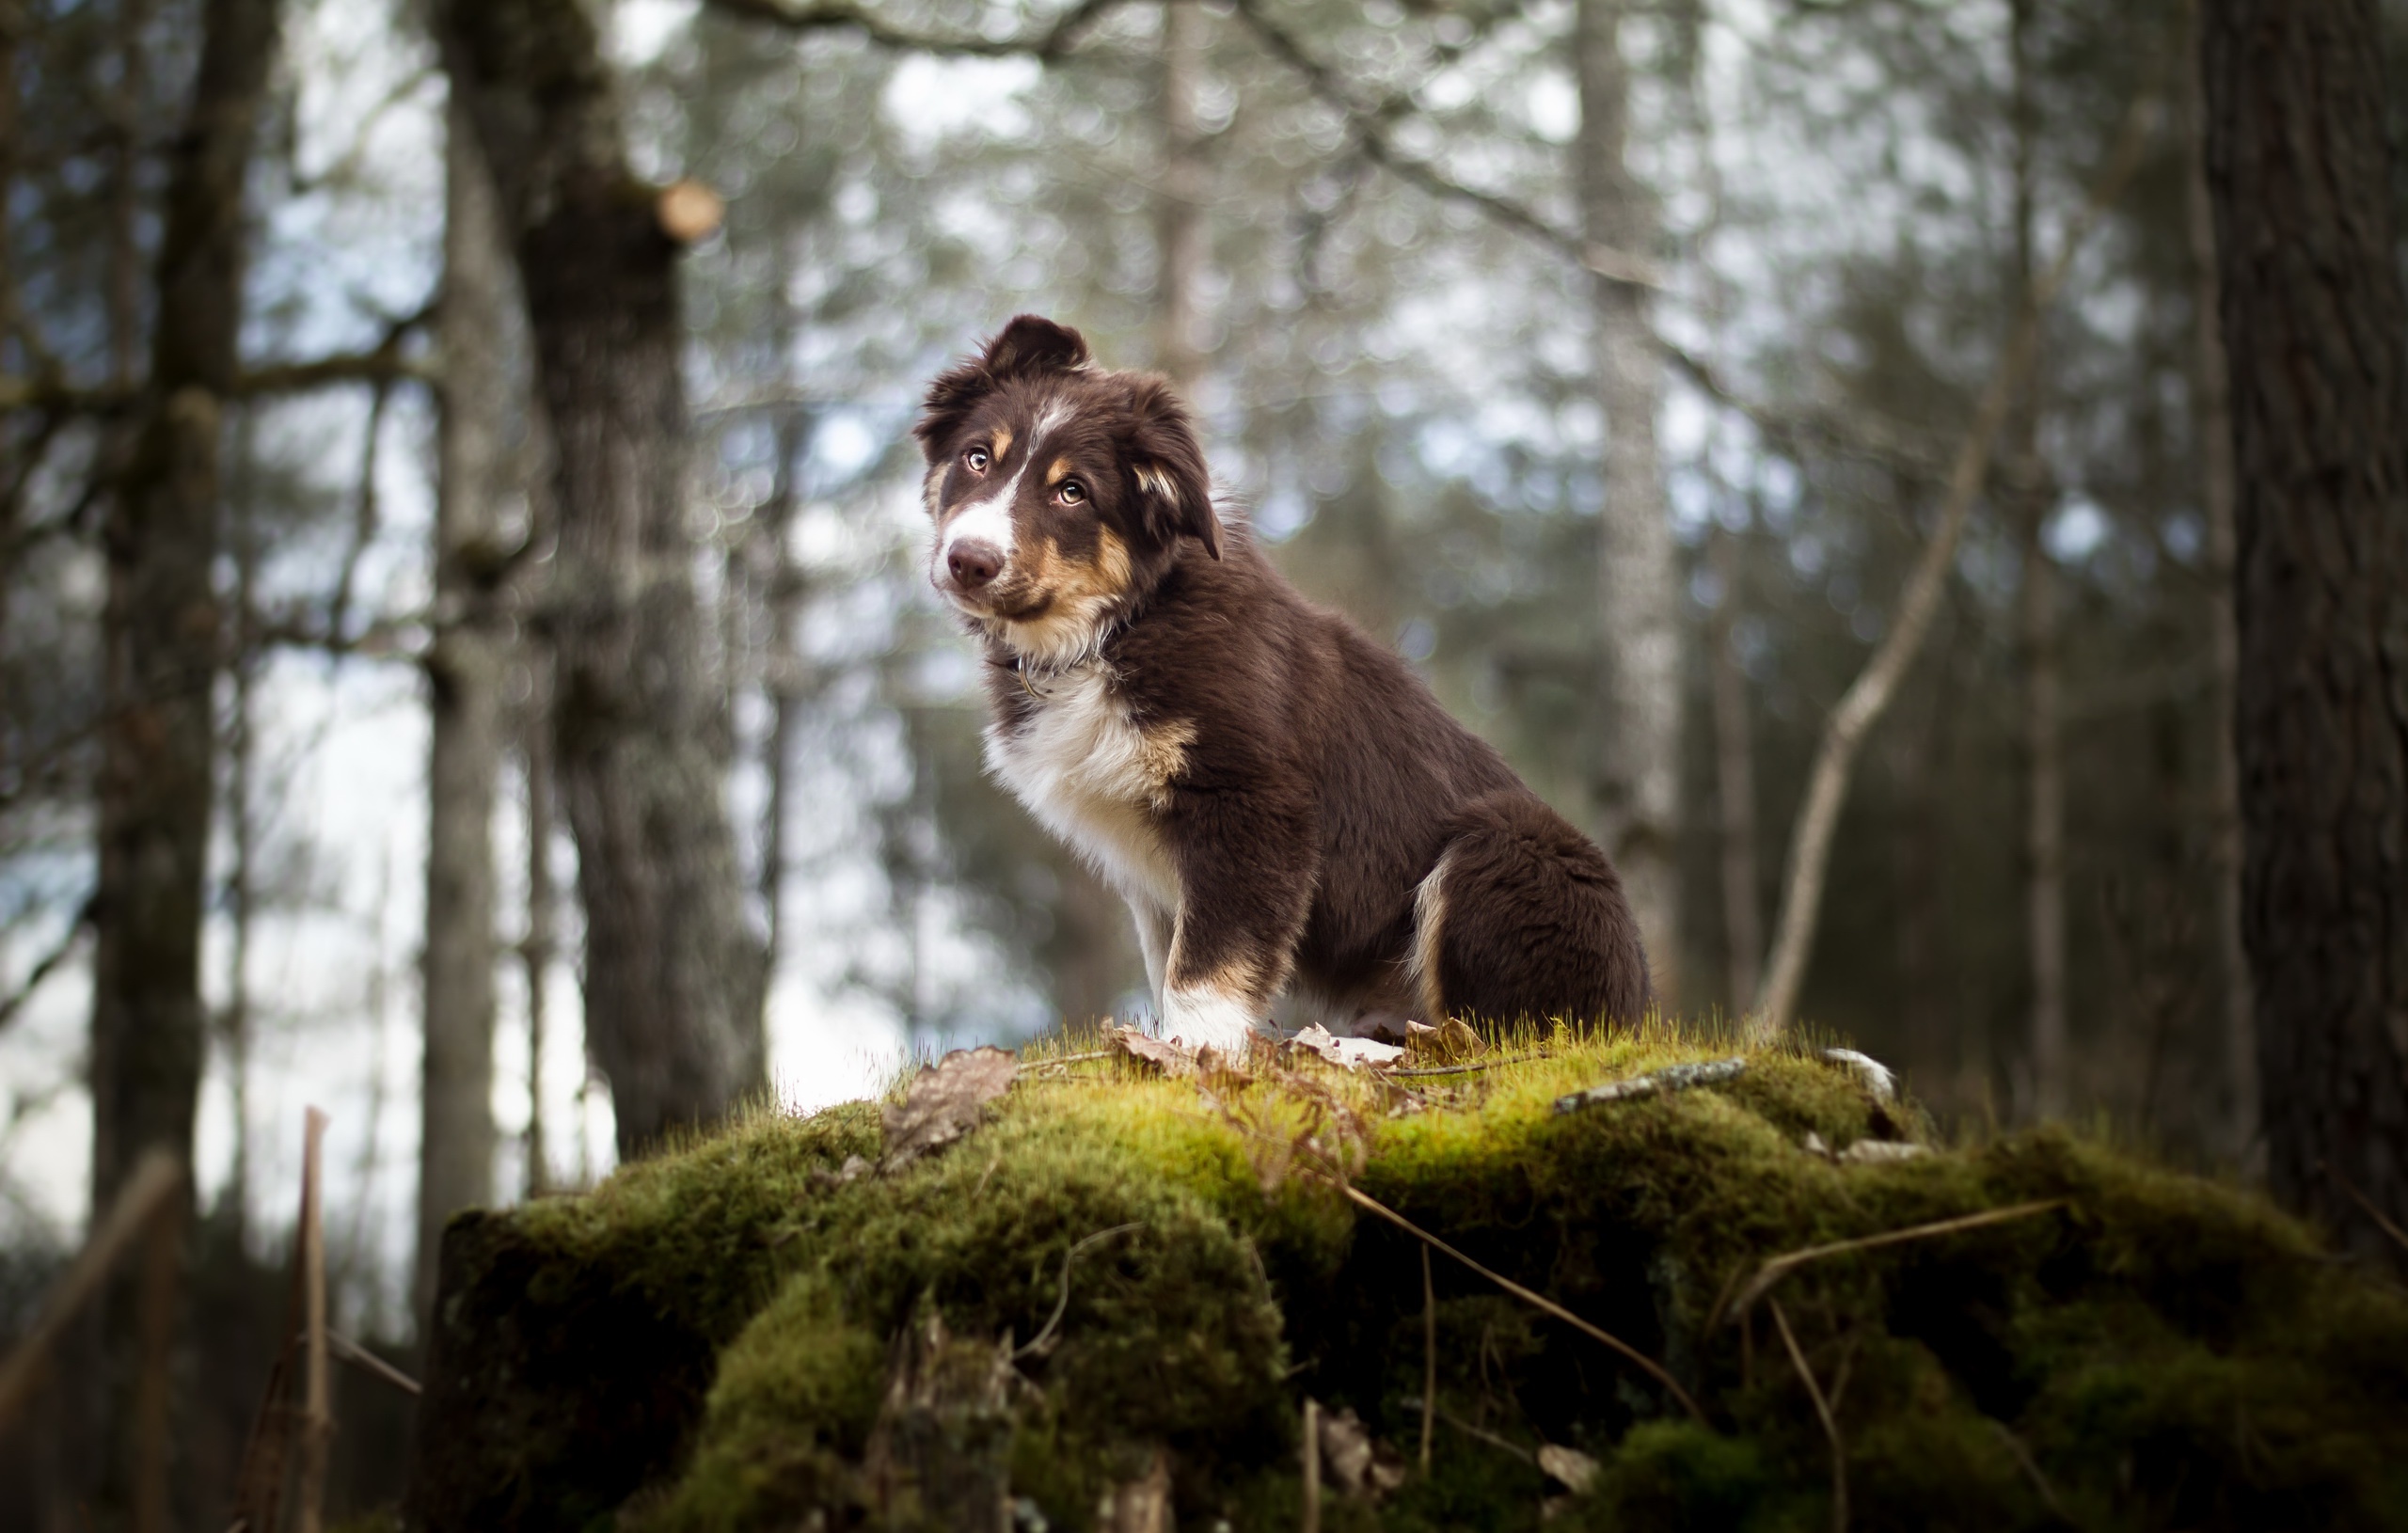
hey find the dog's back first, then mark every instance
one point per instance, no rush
(1281, 801)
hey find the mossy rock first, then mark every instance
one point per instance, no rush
(743, 1335)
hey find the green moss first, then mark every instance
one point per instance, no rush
(2152, 1352)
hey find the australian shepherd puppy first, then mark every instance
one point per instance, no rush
(1282, 803)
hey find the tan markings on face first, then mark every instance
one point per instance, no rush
(1001, 444)
(1056, 474)
(1082, 591)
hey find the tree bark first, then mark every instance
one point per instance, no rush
(1179, 201)
(784, 674)
(1735, 774)
(2313, 325)
(670, 966)
(2212, 411)
(2027, 492)
(464, 667)
(1638, 583)
(160, 636)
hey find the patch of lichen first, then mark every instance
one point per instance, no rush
(2149, 1351)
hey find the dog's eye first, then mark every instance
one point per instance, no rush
(978, 460)
(1071, 491)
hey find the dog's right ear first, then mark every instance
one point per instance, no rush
(1029, 346)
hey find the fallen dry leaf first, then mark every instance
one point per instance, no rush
(1568, 1466)
(1348, 1053)
(1451, 1043)
(1165, 1055)
(945, 1100)
(1880, 1152)
(1358, 1465)
(1669, 1079)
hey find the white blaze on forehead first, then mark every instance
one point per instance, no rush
(1056, 413)
(986, 519)
(989, 518)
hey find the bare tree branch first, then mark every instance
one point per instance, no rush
(48, 964)
(1869, 695)
(1054, 41)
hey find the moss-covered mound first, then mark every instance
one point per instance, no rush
(766, 1330)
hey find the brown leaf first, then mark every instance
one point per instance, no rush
(945, 1102)
(1347, 1053)
(1568, 1466)
(1163, 1054)
(1451, 1043)
(1358, 1465)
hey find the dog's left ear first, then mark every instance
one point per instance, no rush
(1029, 345)
(1174, 489)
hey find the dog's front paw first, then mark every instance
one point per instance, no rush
(1209, 1019)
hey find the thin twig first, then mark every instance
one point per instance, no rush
(1039, 1343)
(2032, 1468)
(1483, 1434)
(1054, 41)
(1536, 1300)
(1458, 1069)
(1868, 696)
(360, 1357)
(1075, 1059)
(47, 964)
(2381, 1220)
(318, 1417)
(139, 1202)
(1429, 1357)
(1313, 1465)
(1779, 1267)
(1823, 1410)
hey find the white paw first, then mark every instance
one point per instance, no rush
(1208, 1020)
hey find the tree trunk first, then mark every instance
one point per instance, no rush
(1638, 583)
(161, 629)
(535, 951)
(1735, 773)
(1179, 210)
(463, 669)
(670, 968)
(2313, 327)
(2027, 492)
(783, 666)
(2212, 412)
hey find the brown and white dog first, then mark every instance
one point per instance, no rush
(1281, 801)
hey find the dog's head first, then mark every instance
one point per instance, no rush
(1061, 492)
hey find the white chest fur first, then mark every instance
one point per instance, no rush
(1097, 780)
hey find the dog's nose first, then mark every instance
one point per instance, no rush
(974, 563)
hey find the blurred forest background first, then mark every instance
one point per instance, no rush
(546, 736)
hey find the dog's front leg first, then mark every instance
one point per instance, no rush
(1245, 883)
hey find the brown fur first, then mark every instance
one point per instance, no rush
(1271, 790)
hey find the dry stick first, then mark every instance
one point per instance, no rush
(1036, 1343)
(1429, 1357)
(2030, 1467)
(1823, 1410)
(1779, 1267)
(366, 1362)
(1312, 1466)
(163, 1258)
(2381, 1220)
(318, 1421)
(1537, 1300)
(153, 1184)
(1460, 1070)
(260, 1482)
(1869, 695)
